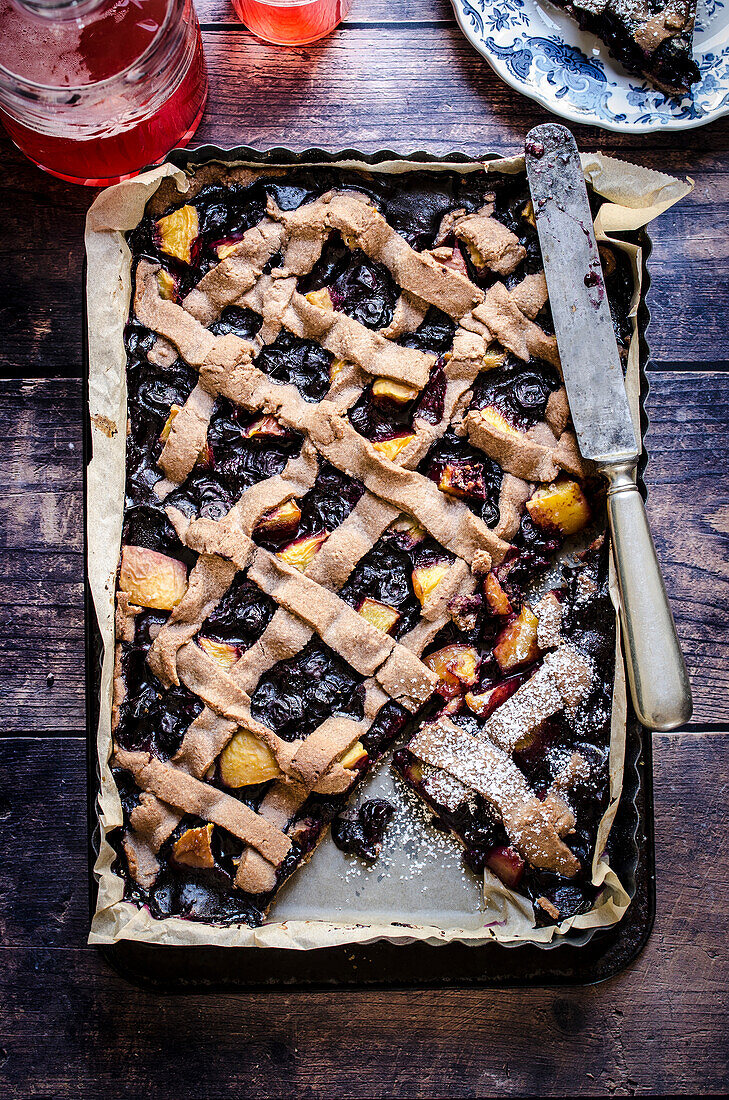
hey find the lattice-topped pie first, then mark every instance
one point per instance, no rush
(349, 456)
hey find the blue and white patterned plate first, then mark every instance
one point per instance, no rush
(540, 51)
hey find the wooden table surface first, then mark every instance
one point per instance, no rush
(397, 75)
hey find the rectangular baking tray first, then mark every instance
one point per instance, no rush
(579, 959)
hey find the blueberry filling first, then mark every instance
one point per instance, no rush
(201, 895)
(302, 362)
(519, 391)
(418, 202)
(457, 467)
(241, 616)
(298, 694)
(390, 721)
(151, 718)
(240, 322)
(358, 286)
(433, 335)
(201, 494)
(360, 832)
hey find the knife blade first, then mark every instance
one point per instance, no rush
(601, 416)
(588, 350)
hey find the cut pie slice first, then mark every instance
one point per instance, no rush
(517, 772)
(651, 37)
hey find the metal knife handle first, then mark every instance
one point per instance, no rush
(659, 682)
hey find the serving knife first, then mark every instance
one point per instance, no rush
(593, 376)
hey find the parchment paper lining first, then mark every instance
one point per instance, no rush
(635, 196)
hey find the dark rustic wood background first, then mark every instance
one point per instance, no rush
(397, 75)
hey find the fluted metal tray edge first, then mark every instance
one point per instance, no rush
(584, 958)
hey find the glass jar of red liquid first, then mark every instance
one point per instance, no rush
(291, 22)
(94, 90)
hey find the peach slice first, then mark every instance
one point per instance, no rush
(507, 864)
(517, 642)
(193, 847)
(480, 703)
(398, 392)
(562, 505)
(485, 702)
(354, 755)
(264, 425)
(152, 579)
(390, 448)
(426, 578)
(335, 368)
(246, 760)
(496, 420)
(177, 231)
(167, 284)
(223, 653)
(281, 522)
(527, 214)
(495, 357)
(205, 456)
(477, 259)
(496, 598)
(462, 480)
(455, 665)
(164, 435)
(302, 552)
(456, 261)
(409, 530)
(321, 298)
(226, 248)
(607, 259)
(378, 614)
(413, 770)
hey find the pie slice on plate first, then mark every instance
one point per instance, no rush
(651, 37)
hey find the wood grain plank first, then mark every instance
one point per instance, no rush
(68, 1024)
(44, 892)
(406, 87)
(362, 11)
(41, 614)
(688, 505)
(41, 565)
